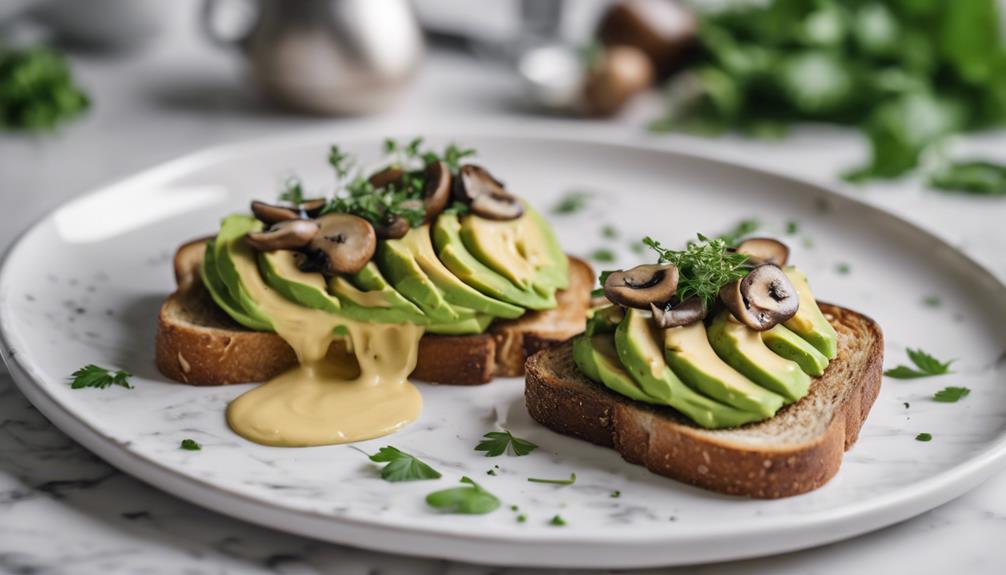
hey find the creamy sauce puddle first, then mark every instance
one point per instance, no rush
(329, 397)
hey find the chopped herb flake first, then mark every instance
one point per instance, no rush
(471, 499)
(572, 203)
(924, 437)
(497, 443)
(191, 445)
(951, 394)
(557, 521)
(570, 481)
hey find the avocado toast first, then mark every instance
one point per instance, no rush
(425, 267)
(717, 367)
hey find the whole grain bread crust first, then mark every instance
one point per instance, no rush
(764, 460)
(197, 343)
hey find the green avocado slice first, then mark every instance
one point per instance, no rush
(474, 323)
(641, 355)
(232, 230)
(597, 358)
(220, 294)
(743, 349)
(396, 263)
(456, 257)
(691, 357)
(555, 275)
(809, 322)
(455, 291)
(788, 345)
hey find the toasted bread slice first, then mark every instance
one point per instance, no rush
(198, 343)
(796, 451)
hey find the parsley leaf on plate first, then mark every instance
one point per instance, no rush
(570, 481)
(971, 177)
(951, 394)
(496, 443)
(924, 437)
(927, 366)
(98, 377)
(191, 445)
(469, 500)
(402, 466)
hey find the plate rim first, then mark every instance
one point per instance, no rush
(842, 522)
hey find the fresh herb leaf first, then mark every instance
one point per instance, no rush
(927, 366)
(570, 481)
(521, 518)
(557, 521)
(603, 255)
(191, 445)
(932, 301)
(293, 191)
(843, 268)
(703, 267)
(37, 90)
(496, 443)
(457, 208)
(924, 437)
(951, 394)
(792, 227)
(402, 466)
(491, 472)
(743, 229)
(571, 203)
(451, 156)
(609, 232)
(470, 500)
(615, 494)
(971, 177)
(98, 377)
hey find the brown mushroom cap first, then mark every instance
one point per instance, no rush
(313, 206)
(642, 285)
(394, 227)
(386, 176)
(663, 29)
(764, 251)
(346, 242)
(620, 73)
(285, 235)
(473, 181)
(679, 314)
(437, 189)
(763, 298)
(270, 214)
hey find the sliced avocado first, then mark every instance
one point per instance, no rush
(604, 319)
(642, 356)
(220, 294)
(523, 250)
(280, 271)
(455, 291)
(367, 286)
(691, 358)
(743, 349)
(473, 323)
(232, 230)
(787, 344)
(396, 263)
(809, 323)
(453, 253)
(596, 357)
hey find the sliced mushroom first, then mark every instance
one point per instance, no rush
(394, 227)
(313, 206)
(677, 314)
(763, 298)
(664, 29)
(497, 207)
(437, 190)
(386, 176)
(270, 214)
(642, 285)
(346, 242)
(285, 235)
(474, 181)
(764, 251)
(620, 73)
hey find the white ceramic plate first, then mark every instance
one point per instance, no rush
(84, 286)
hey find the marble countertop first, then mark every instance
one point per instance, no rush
(63, 510)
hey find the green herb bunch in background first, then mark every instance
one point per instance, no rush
(909, 73)
(37, 90)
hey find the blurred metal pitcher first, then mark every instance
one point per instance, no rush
(323, 56)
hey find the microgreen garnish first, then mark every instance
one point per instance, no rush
(600, 280)
(496, 443)
(557, 521)
(924, 437)
(191, 445)
(743, 229)
(603, 255)
(402, 466)
(927, 366)
(469, 500)
(356, 195)
(571, 203)
(293, 191)
(951, 394)
(451, 156)
(704, 266)
(570, 481)
(37, 90)
(98, 377)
